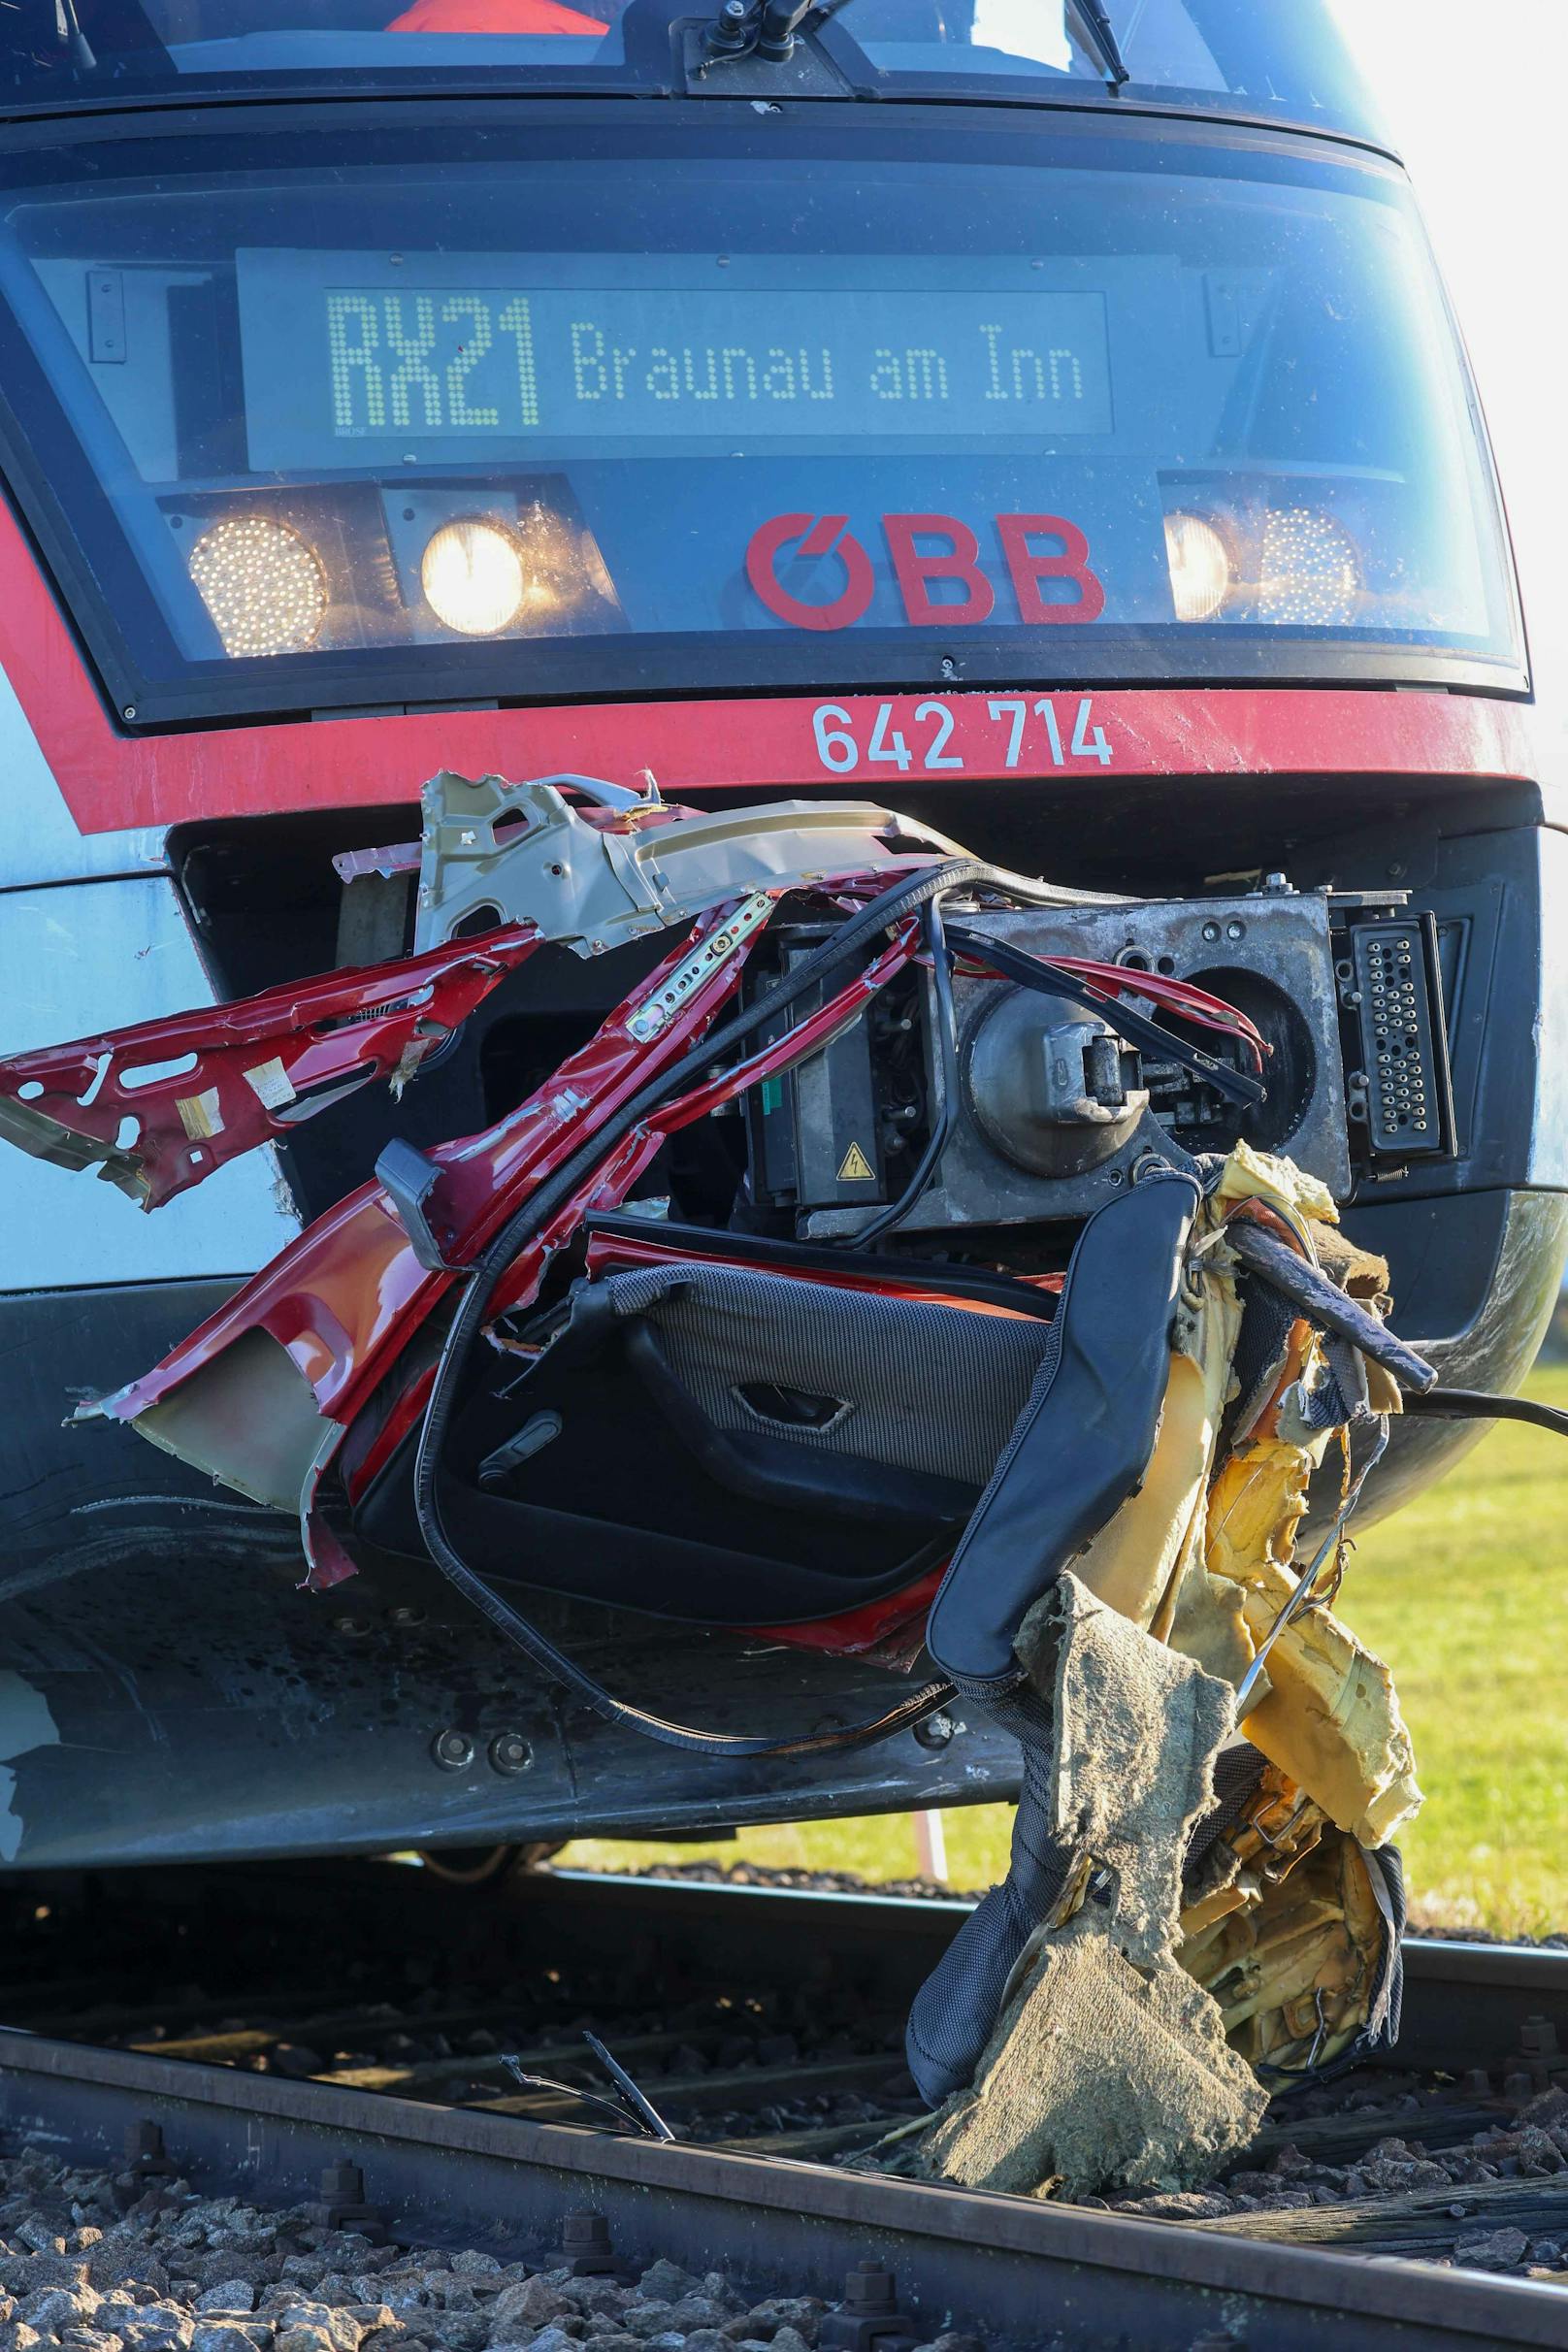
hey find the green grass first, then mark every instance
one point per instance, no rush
(1465, 1593)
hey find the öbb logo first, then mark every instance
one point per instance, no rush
(917, 564)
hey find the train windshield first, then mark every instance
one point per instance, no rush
(697, 399)
(1283, 63)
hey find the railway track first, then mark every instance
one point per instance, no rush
(765, 2026)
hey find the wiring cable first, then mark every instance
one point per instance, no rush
(1476, 1404)
(1056, 980)
(1178, 996)
(942, 1124)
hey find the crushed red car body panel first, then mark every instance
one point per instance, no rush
(158, 1107)
(344, 1297)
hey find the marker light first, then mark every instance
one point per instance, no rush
(1199, 567)
(262, 583)
(473, 575)
(1311, 577)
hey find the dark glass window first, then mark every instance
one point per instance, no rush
(429, 412)
(1275, 60)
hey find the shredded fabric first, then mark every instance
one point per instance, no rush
(1107, 2064)
(1101, 2076)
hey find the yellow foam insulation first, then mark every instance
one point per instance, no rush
(1290, 1948)
(1203, 1559)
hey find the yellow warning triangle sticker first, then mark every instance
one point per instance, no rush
(855, 1168)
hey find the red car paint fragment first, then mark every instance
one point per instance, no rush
(347, 1296)
(158, 1107)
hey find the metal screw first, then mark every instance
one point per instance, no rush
(1211, 932)
(1235, 931)
(452, 1751)
(509, 1752)
(868, 2319)
(936, 1730)
(129, 711)
(868, 2290)
(585, 2249)
(343, 2203)
(727, 37)
(407, 1617)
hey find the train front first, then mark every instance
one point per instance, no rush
(1047, 427)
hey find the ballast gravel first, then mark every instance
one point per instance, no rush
(1531, 2146)
(110, 2262)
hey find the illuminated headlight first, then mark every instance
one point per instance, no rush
(473, 576)
(1311, 577)
(262, 583)
(555, 560)
(1199, 567)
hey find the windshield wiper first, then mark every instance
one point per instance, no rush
(761, 28)
(1097, 35)
(766, 29)
(68, 36)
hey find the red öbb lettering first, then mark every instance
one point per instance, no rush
(817, 534)
(1036, 549)
(913, 569)
(1027, 569)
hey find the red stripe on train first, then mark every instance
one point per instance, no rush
(864, 745)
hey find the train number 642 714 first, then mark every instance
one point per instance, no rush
(1014, 733)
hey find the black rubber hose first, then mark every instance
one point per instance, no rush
(901, 899)
(1322, 1303)
(942, 1124)
(1474, 1404)
(1053, 980)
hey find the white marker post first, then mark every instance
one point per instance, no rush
(930, 1847)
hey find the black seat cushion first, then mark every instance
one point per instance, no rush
(734, 1446)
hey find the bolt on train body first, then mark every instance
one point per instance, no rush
(520, 526)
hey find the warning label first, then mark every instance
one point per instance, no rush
(854, 1167)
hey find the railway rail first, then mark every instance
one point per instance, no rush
(765, 2026)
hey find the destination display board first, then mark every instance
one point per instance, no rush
(449, 358)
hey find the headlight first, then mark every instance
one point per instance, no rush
(553, 559)
(471, 573)
(1199, 567)
(261, 582)
(1310, 576)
